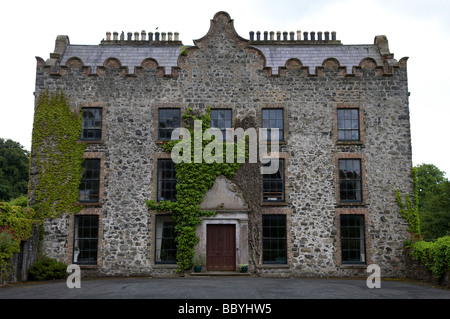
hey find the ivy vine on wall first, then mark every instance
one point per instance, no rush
(57, 154)
(193, 181)
(409, 211)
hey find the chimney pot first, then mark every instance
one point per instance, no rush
(252, 35)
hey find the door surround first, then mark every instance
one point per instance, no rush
(237, 218)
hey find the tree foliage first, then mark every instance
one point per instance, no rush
(434, 201)
(14, 169)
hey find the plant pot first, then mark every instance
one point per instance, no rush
(244, 268)
(197, 268)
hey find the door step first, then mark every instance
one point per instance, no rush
(219, 273)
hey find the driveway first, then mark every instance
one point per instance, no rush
(232, 288)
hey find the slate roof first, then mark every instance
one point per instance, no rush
(314, 55)
(276, 55)
(128, 55)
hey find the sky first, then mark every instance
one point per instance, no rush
(416, 29)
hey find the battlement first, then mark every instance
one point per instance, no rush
(290, 38)
(171, 38)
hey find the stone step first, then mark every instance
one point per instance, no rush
(219, 273)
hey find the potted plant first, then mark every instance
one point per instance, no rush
(199, 261)
(243, 267)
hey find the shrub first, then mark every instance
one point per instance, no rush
(434, 255)
(46, 269)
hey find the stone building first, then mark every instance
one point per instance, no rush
(344, 146)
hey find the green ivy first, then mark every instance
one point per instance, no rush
(15, 226)
(193, 181)
(58, 154)
(409, 211)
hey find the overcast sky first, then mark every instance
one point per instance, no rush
(419, 30)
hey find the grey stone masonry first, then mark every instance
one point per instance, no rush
(131, 80)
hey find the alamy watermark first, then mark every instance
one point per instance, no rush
(213, 151)
(74, 279)
(374, 279)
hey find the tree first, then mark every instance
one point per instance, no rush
(434, 201)
(14, 166)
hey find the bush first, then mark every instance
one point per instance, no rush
(47, 269)
(434, 255)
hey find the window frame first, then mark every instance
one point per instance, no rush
(343, 120)
(161, 180)
(282, 179)
(172, 126)
(266, 136)
(159, 236)
(76, 239)
(226, 131)
(361, 239)
(85, 180)
(348, 181)
(283, 240)
(95, 128)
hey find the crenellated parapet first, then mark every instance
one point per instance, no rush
(330, 66)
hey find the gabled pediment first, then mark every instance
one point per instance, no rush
(224, 195)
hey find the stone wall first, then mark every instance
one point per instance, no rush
(223, 71)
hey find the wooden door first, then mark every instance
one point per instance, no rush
(221, 247)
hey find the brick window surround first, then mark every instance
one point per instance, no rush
(362, 135)
(362, 158)
(70, 240)
(337, 223)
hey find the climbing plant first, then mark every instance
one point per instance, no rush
(409, 211)
(15, 226)
(193, 181)
(57, 154)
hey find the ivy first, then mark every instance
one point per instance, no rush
(58, 155)
(15, 226)
(193, 181)
(409, 211)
